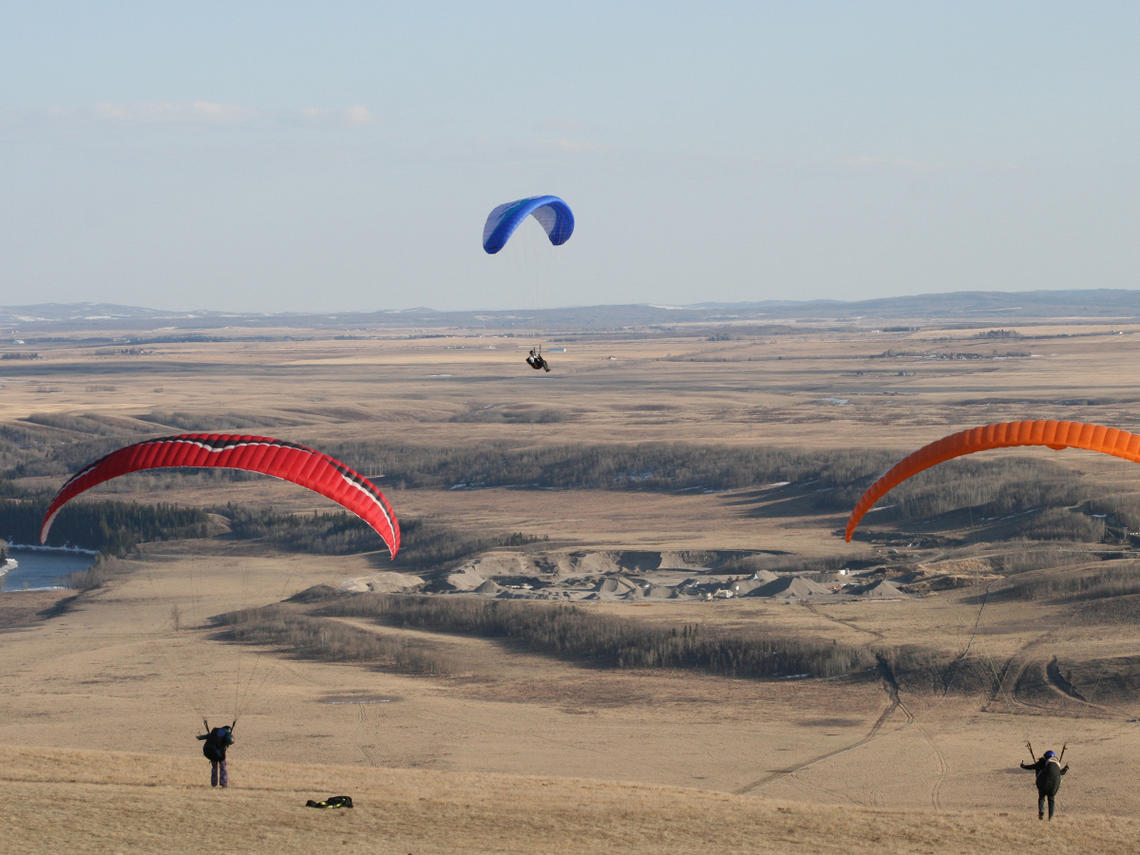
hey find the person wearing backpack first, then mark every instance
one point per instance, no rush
(1049, 771)
(216, 741)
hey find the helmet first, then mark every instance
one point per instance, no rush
(1049, 754)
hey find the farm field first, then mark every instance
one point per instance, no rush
(506, 749)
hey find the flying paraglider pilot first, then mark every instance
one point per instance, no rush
(1049, 771)
(535, 361)
(217, 740)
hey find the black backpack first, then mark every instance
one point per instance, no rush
(331, 802)
(216, 743)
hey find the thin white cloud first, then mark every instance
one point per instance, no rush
(111, 111)
(892, 164)
(574, 146)
(161, 112)
(202, 112)
(570, 136)
(219, 112)
(357, 114)
(883, 164)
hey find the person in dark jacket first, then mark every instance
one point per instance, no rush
(1048, 777)
(217, 740)
(535, 361)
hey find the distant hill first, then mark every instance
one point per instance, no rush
(966, 306)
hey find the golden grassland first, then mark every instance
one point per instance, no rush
(425, 812)
(518, 753)
(512, 753)
(132, 803)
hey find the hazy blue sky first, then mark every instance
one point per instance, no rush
(343, 155)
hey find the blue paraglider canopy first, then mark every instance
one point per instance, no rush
(551, 212)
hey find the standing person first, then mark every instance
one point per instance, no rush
(217, 740)
(1048, 778)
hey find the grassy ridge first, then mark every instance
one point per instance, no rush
(564, 631)
(1122, 579)
(431, 810)
(580, 635)
(607, 640)
(312, 638)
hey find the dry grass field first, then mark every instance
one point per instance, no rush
(511, 751)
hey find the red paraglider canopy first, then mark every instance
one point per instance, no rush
(286, 460)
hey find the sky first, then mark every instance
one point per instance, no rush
(343, 156)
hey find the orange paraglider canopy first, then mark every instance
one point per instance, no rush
(1047, 432)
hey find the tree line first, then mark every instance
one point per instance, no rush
(557, 630)
(1119, 580)
(1043, 500)
(112, 528)
(583, 466)
(116, 528)
(425, 544)
(577, 634)
(607, 640)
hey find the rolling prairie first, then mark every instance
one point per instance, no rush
(510, 750)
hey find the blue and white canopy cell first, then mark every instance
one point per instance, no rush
(554, 215)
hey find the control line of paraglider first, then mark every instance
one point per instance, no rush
(555, 218)
(1049, 433)
(894, 704)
